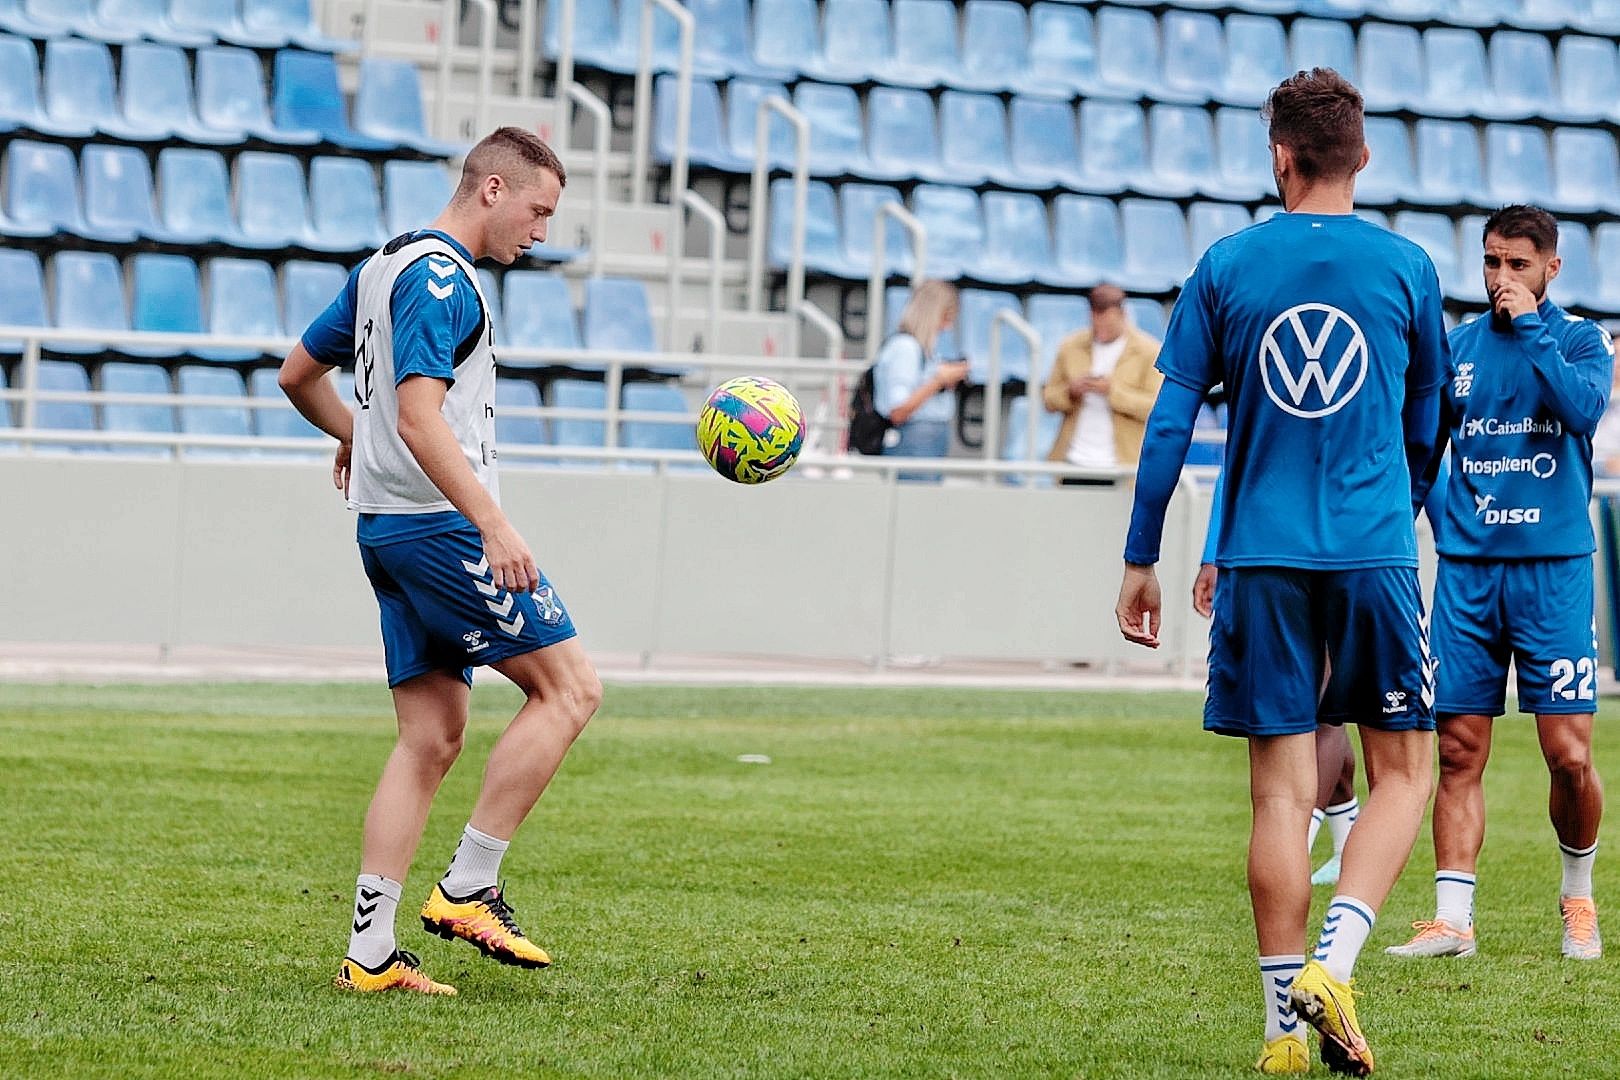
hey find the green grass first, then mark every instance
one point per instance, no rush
(920, 884)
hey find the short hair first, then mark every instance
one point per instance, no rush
(1105, 296)
(504, 151)
(1317, 114)
(924, 315)
(1530, 222)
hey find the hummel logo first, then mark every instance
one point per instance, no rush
(1397, 701)
(441, 291)
(441, 269)
(474, 640)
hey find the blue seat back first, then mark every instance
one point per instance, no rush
(413, 194)
(1519, 164)
(1585, 166)
(117, 188)
(995, 43)
(88, 290)
(344, 204)
(307, 94)
(19, 79)
(1087, 236)
(1391, 61)
(652, 434)
(1577, 283)
(785, 33)
(194, 192)
(155, 86)
(704, 142)
(742, 115)
(1522, 70)
(1155, 239)
(855, 35)
(308, 288)
(1389, 174)
(230, 89)
(242, 299)
(1194, 53)
(22, 301)
(978, 309)
(1328, 43)
(292, 18)
(42, 185)
(925, 38)
(1183, 143)
(1062, 45)
(902, 132)
(1588, 75)
(1147, 316)
(1016, 230)
(1449, 165)
(388, 104)
(512, 393)
(834, 113)
(954, 223)
(540, 311)
(78, 82)
(1208, 222)
(270, 198)
(1454, 62)
(213, 419)
(167, 295)
(1243, 148)
(596, 28)
(64, 376)
(1113, 139)
(1055, 316)
(1606, 253)
(121, 377)
(1043, 136)
(1256, 57)
(284, 423)
(821, 242)
(1128, 49)
(577, 394)
(720, 38)
(857, 207)
(973, 133)
(219, 17)
(617, 317)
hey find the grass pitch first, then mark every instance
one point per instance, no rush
(919, 884)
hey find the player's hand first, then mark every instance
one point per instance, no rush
(1514, 298)
(1204, 590)
(340, 467)
(1139, 606)
(510, 563)
(948, 375)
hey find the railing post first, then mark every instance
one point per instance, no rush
(992, 390)
(565, 68)
(640, 133)
(599, 169)
(717, 234)
(880, 267)
(759, 204)
(527, 34)
(486, 67)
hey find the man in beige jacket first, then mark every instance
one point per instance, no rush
(1104, 383)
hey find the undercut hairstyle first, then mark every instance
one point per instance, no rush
(510, 153)
(925, 313)
(1105, 296)
(1529, 222)
(1317, 114)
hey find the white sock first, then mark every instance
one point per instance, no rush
(1317, 816)
(1277, 974)
(1339, 819)
(475, 866)
(371, 936)
(1454, 898)
(1577, 870)
(1344, 932)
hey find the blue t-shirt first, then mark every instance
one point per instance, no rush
(1520, 409)
(900, 368)
(1321, 327)
(433, 321)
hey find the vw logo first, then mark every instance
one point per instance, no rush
(1291, 360)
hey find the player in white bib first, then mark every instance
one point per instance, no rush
(456, 584)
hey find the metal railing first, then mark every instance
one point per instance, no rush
(563, 80)
(759, 210)
(880, 267)
(602, 123)
(449, 21)
(641, 123)
(716, 225)
(992, 384)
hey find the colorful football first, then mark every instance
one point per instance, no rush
(751, 430)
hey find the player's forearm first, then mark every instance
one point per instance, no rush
(434, 446)
(304, 382)
(904, 411)
(1576, 391)
(1164, 451)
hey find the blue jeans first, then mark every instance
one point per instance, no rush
(921, 438)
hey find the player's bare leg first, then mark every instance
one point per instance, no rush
(1282, 791)
(1575, 803)
(561, 693)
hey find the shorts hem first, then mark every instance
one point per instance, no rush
(1244, 731)
(415, 670)
(1492, 711)
(519, 648)
(1581, 708)
(1405, 723)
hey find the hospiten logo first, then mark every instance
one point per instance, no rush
(1292, 367)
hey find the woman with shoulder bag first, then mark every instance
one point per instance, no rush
(909, 383)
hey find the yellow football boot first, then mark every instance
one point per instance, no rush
(1284, 1054)
(401, 971)
(1329, 1006)
(485, 920)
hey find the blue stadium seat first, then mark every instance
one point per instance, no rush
(155, 418)
(1459, 82)
(1577, 284)
(242, 303)
(491, 288)
(857, 208)
(514, 393)
(344, 208)
(902, 138)
(1256, 59)
(388, 107)
(1194, 55)
(1586, 170)
(540, 312)
(1147, 316)
(1113, 147)
(955, 228)
(665, 44)
(1606, 253)
(1519, 167)
(995, 48)
(48, 18)
(742, 116)
(1389, 175)
(1449, 166)
(270, 200)
(785, 35)
(1128, 53)
(1087, 239)
(596, 36)
(1588, 79)
(1479, 13)
(1391, 62)
(1208, 222)
(231, 97)
(1062, 49)
(856, 42)
(79, 90)
(978, 308)
(653, 434)
(1156, 257)
(195, 381)
(413, 194)
(1243, 150)
(279, 423)
(1329, 43)
(194, 198)
(1601, 17)
(823, 249)
(1437, 235)
(1183, 156)
(22, 302)
(1523, 76)
(706, 143)
(307, 96)
(616, 316)
(837, 139)
(307, 289)
(973, 139)
(166, 293)
(42, 189)
(926, 53)
(290, 20)
(131, 20)
(722, 40)
(1470, 284)
(20, 104)
(1044, 146)
(1015, 439)
(155, 94)
(1548, 14)
(65, 376)
(221, 19)
(1055, 316)
(1404, 10)
(577, 394)
(118, 195)
(1017, 240)
(87, 292)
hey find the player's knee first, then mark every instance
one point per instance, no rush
(1569, 761)
(1462, 756)
(438, 751)
(582, 696)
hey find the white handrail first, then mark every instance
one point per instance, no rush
(640, 128)
(880, 267)
(831, 406)
(717, 236)
(759, 206)
(527, 34)
(368, 19)
(828, 325)
(992, 385)
(603, 122)
(564, 78)
(449, 20)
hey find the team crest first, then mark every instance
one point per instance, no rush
(1464, 381)
(547, 606)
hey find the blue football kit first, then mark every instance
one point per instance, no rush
(1515, 575)
(415, 309)
(1327, 332)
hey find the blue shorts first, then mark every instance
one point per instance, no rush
(441, 611)
(1276, 627)
(1538, 612)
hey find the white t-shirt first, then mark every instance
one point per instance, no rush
(1093, 443)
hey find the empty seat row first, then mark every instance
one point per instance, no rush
(257, 24)
(107, 195)
(156, 97)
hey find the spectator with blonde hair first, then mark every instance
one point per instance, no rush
(909, 380)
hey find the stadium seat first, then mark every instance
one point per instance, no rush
(231, 97)
(131, 20)
(87, 292)
(577, 394)
(490, 286)
(514, 393)
(1113, 147)
(823, 248)
(1044, 147)
(1522, 74)
(1391, 63)
(540, 312)
(221, 19)
(22, 302)
(1128, 53)
(978, 310)
(20, 103)
(166, 298)
(995, 48)
(1586, 170)
(1600, 17)
(194, 200)
(1256, 59)
(722, 40)
(837, 146)
(195, 381)
(1389, 175)
(1086, 239)
(955, 228)
(48, 18)
(344, 207)
(65, 376)
(856, 42)
(242, 303)
(156, 418)
(1156, 258)
(785, 35)
(857, 209)
(283, 422)
(307, 289)
(973, 139)
(1017, 240)
(155, 94)
(388, 108)
(1194, 55)
(1243, 152)
(1055, 316)
(79, 91)
(596, 36)
(1458, 77)
(1547, 14)
(118, 195)
(1470, 284)
(1435, 234)
(1062, 50)
(42, 189)
(1449, 166)
(617, 317)
(742, 117)
(1519, 167)
(1147, 316)
(926, 53)
(902, 138)
(1015, 437)
(1606, 254)
(1208, 222)
(1182, 154)
(1577, 285)
(653, 434)
(307, 96)
(413, 194)
(706, 144)
(270, 200)
(1328, 43)
(1588, 79)
(290, 20)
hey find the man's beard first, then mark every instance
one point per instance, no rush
(1502, 321)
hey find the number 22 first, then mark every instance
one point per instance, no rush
(1564, 672)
